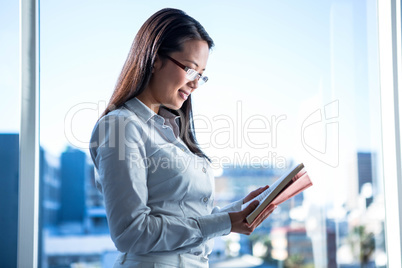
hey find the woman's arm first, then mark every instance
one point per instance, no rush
(120, 159)
(237, 205)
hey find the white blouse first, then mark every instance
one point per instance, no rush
(158, 195)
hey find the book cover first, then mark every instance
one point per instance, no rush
(294, 181)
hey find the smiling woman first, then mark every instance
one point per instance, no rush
(161, 212)
(286, 83)
(171, 84)
(145, 76)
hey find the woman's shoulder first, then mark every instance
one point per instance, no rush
(119, 119)
(122, 112)
(119, 123)
(120, 115)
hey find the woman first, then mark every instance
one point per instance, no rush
(157, 184)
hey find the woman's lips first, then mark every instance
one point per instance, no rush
(183, 94)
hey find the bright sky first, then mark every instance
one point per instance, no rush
(275, 66)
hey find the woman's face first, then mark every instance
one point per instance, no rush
(168, 85)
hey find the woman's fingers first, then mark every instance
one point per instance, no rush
(255, 193)
(261, 190)
(238, 219)
(265, 187)
(250, 208)
(264, 214)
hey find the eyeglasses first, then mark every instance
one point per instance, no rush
(191, 73)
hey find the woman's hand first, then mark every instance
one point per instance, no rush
(239, 222)
(254, 193)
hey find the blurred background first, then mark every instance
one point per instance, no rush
(289, 82)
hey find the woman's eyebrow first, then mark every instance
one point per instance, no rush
(193, 62)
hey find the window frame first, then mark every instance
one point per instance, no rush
(28, 195)
(389, 35)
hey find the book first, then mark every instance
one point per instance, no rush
(292, 182)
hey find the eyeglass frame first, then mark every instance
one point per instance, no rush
(202, 79)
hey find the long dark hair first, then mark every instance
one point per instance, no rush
(163, 33)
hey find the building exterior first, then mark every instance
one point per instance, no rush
(73, 174)
(292, 246)
(9, 173)
(49, 188)
(365, 175)
(79, 233)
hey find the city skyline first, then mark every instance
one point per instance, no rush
(67, 219)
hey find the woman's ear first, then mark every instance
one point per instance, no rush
(157, 64)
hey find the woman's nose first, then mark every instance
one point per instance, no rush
(193, 84)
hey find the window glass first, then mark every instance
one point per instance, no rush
(9, 130)
(289, 82)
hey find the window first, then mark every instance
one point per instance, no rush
(9, 131)
(312, 96)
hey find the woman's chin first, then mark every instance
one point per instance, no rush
(174, 106)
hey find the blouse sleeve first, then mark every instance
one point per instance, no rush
(118, 152)
(232, 207)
